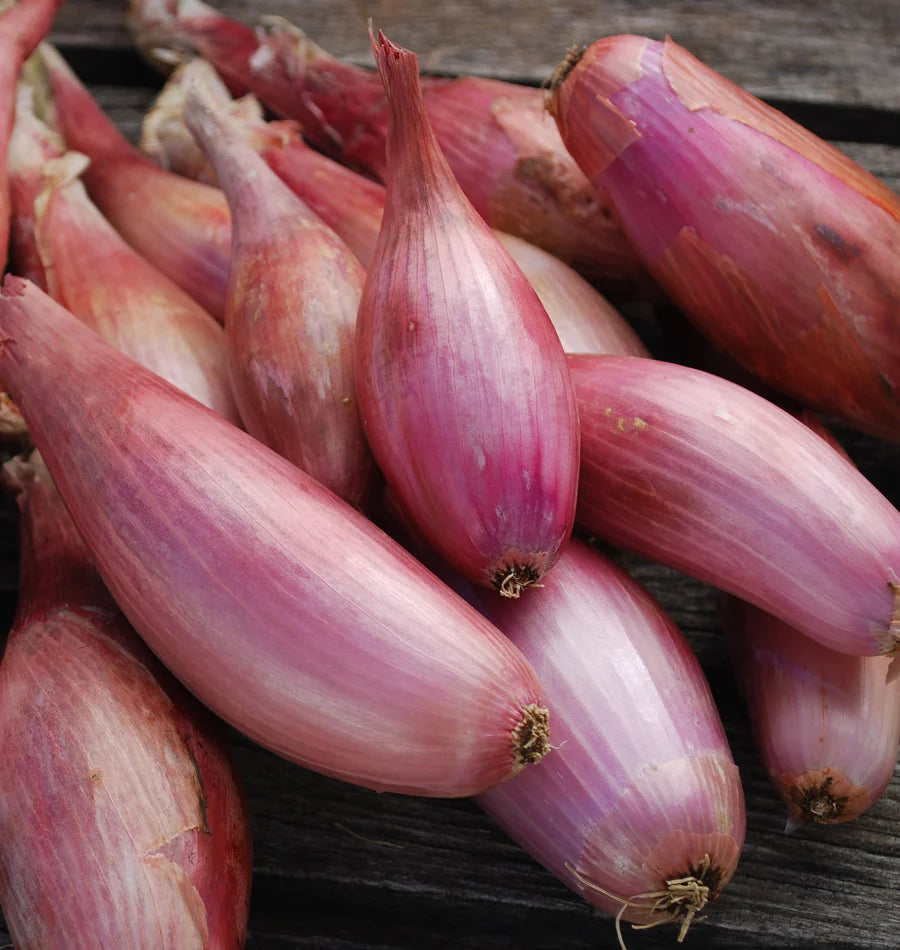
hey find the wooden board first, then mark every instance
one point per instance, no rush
(821, 52)
(341, 868)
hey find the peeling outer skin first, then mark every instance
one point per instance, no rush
(892, 634)
(104, 745)
(824, 796)
(698, 87)
(281, 66)
(711, 282)
(162, 878)
(602, 141)
(776, 246)
(546, 199)
(23, 25)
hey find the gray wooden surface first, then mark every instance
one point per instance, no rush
(340, 868)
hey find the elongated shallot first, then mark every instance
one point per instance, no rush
(65, 245)
(700, 474)
(113, 777)
(462, 381)
(276, 603)
(780, 248)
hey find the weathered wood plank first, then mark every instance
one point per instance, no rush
(825, 52)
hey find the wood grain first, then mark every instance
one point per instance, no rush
(823, 52)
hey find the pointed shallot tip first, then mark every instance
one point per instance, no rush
(511, 580)
(531, 737)
(681, 901)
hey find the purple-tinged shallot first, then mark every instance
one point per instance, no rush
(780, 248)
(463, 387)
(65, 245)
(182, 227)
(641, 810)
(827, 725)
(277, 604)
(703, 475)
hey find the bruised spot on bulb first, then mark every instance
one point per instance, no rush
(640, 424)
(531, 737)
(842, 249)
(411, 326)
(96, 777)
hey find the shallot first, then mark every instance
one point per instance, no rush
(827, 725)
(65, 245)
(290, 319)
(779, 247)
(462, 381)
(123, 825)
(277, 604)
(697, 473)
(641, 811)
(182, 227)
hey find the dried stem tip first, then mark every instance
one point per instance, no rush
(558, 76)
(531, 737)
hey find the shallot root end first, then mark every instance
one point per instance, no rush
(682, 900)
(531, 737)
(511, 580)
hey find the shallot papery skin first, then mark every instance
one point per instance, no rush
(827, 725)
(463, 387)
(640, 809)
(182, 227)
(65, 245)
(504, 151)
(122, 824)
(277, 604)
(23, 24)
(707, 477)
(781, 249)
(290, 318)
(168, 141)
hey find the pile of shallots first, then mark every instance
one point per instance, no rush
(306, 411)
